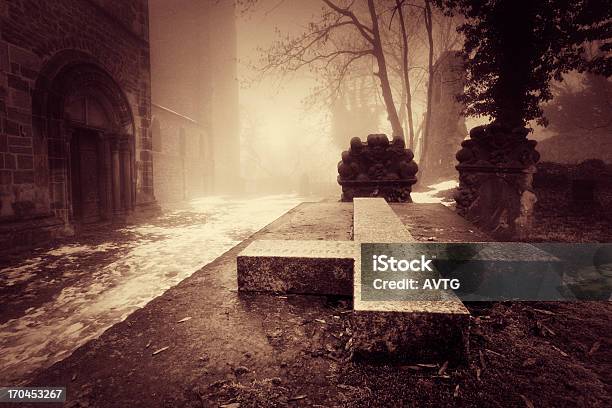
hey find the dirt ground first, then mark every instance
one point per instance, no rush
(202, 344)
(522, 354)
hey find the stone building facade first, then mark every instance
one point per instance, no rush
(448, 127)
(194, 98)
(75, 113)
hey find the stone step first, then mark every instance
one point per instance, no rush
(301, 267)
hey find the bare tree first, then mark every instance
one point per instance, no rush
(430, 69)
(344, 34)
(406, 93)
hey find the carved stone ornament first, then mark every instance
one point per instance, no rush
(496, 167)
(377, 168)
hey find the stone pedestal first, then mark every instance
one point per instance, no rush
(496, 168)
(377, 168)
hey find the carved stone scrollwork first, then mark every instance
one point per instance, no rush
(377, 168)
(496, 167)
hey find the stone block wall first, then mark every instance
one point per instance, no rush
(194, 94)
(37, 37)
(182, 157)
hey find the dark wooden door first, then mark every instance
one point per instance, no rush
(85, 176)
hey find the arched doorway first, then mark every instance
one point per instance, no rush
(85, 122)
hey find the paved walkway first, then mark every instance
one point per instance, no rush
(436, 193)
(58, 299)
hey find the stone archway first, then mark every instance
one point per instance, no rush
(84, 120)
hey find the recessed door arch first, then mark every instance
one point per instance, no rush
(87, 124)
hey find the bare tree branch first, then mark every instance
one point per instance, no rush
(365, 31)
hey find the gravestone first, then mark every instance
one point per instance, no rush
(406, 329)
(409, 329)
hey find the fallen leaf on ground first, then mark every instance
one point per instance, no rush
(528, 403)
(456, 393)
(411, 367)
(548, 312)
(428, 365)
(241, 370)
(594, 348)
(548, 329)
(482, 361)
(529, 362)
(230, 405)
(442, 369)
(563, 353)
(160, 350)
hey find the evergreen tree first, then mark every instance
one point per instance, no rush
(514, 48)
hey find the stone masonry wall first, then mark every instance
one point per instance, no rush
(182, 157)
(114, 33)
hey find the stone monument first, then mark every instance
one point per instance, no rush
(377, 168)
(496, 168)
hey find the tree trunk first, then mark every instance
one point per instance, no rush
(426, 130)
(396, 126)
(406, 78)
